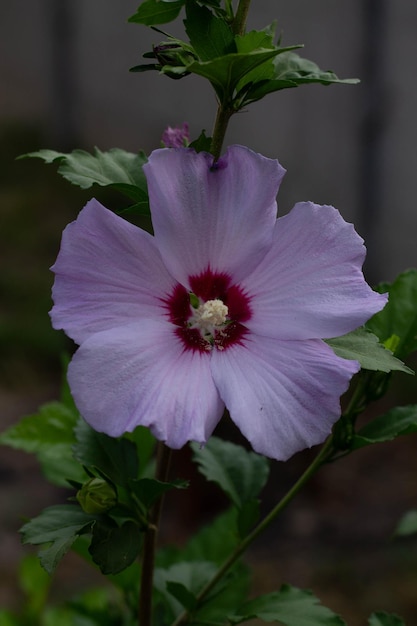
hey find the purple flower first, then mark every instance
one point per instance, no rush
(177, 137)
(224, 306)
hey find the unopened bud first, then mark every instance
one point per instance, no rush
(96, 496)
(177, 137)
(174, 57)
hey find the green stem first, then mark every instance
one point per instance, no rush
(226, 110)
(149, 544)
(219, 131)
(239, 23)
(238, 551)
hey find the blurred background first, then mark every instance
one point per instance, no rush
(64, 83)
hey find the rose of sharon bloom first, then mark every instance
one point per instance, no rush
(224, 306)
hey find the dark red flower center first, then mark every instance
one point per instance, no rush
(212, 314)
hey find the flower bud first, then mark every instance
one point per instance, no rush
(177, 137)
(175, 56)
(96, 496)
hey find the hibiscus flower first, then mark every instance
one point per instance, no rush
(224, 306)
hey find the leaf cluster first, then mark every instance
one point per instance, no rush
(184, 592)
(241, 67)
(387, 339)
(114, 495)
(185, 580)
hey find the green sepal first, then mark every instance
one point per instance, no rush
(239, 473)
(363, 346)
(116, 168)
(289, 606)
(153, 12)
(58, 526)
(399, 421)
(398, 319)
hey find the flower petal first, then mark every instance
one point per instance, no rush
(140, 375)
(107, 272)
(310, 284)
(283, 395)
(220, 218)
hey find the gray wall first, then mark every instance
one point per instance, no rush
(69, 73)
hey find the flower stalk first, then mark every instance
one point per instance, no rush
(219, 131)
(225, 111)
(239, 23)
(149, 547)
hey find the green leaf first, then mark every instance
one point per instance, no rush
(116, 168)
(60, 526)
(384, 619)
(202, 143)
(35, 582)
(256, 39)
(210, 36)
(239, 473)
(248, 516)
(399, 316)
(64, 616)
(52, 425)
(286, 71)
(399, 421)
(153, 12)
(48, 434)
(148, 490)
(228, 594)
(114, 548)
(289, 606)
(407, 525)
(187, 599)
(225, 72)
(363, 346)
(115, 458)
(214, 542)
(192, 576)
(8, 619)
(145, 444)
(127, 580)
(179, 585)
